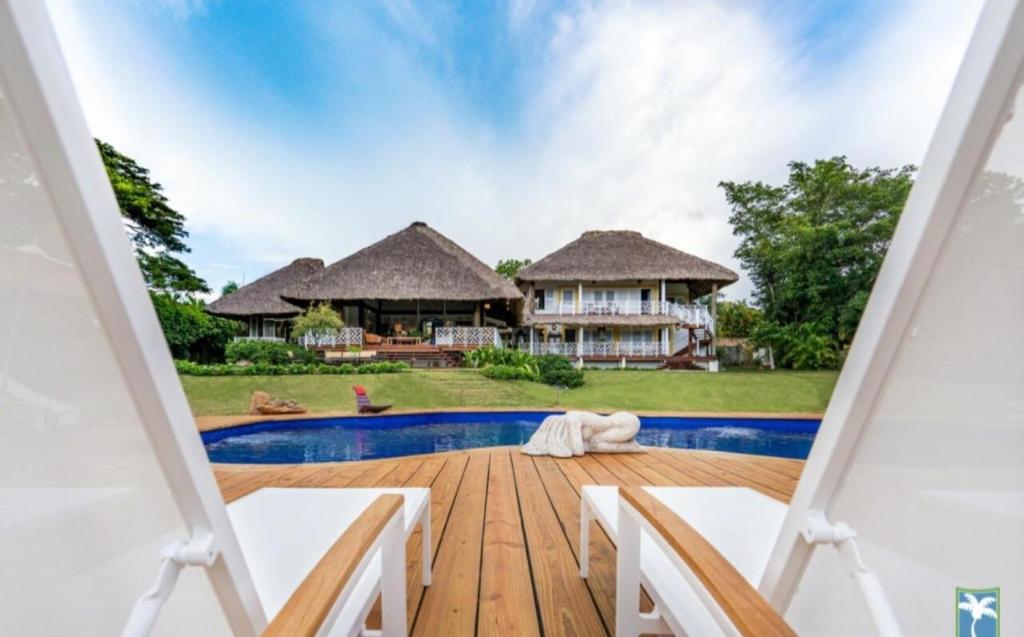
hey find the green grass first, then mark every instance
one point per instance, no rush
(779, 391)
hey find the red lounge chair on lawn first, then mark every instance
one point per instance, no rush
(363, 403)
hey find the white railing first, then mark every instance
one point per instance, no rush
(344, 337)
(594, 348)
(273, 339)
(689, 314)
(471, 336)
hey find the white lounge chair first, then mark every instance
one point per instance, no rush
(126, 489)
(286, 535)
(910, 503)
(743, 523)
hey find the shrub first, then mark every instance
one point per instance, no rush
(799, 346)
(570, 378)
(192, 333)
(318, 318)
(489, 355)
(270, 352)
(188, 368)
(508, 372)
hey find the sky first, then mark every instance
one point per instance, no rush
(312, 129)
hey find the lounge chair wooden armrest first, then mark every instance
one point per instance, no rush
(749, 612)
(311, 603)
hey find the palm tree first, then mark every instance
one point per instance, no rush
(977, 609)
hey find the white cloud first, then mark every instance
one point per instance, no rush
(639, 111)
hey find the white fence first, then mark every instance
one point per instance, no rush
(688, 314)
(344, 337)
(593, 348)
(472, 336)
(272, 339)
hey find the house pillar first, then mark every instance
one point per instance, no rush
(579, 297)
(664, 341)
(476, 315)
(714, 317)
(661, 294)
(532, 330)
(531, 299)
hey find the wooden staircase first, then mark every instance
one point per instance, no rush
(687, 358)
(421, 356)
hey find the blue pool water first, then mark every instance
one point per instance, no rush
(367, 438)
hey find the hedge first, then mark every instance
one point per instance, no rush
(188, 368)
(268, 352)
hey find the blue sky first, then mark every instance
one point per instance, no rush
(288, 129)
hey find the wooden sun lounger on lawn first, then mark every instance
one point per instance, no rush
(363, 404)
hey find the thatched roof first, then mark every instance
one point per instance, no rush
(415, 263)
(622, 255)
(643, 320)
(263, 296)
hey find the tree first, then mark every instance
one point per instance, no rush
(190, 332)
(155, 229)
(736, 318)
(318, 318)
(813, 246)
(228, 288)
(509, 268)
(157, 232)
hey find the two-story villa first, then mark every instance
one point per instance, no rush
(617, 298)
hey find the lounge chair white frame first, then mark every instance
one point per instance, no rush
(980, 102)
(36, 84)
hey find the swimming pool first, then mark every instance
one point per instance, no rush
(368, 438)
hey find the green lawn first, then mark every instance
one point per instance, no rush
(779, 391)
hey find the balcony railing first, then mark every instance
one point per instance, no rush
(345, 337)
(272, 339)
(594, 348)
(688, 314)
(467, 336)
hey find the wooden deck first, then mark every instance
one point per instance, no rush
(505, 528)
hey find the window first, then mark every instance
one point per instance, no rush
(538, 296)
(567, 297)
(269, 328)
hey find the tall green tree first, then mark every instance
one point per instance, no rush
(157, 231)
(509, 268)
(736, 318)
(155, 228)
(813, 246)
(229, 287)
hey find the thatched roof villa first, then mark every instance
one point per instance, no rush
(417, 279)
(617, 296)
(608, 297)
(260, 304)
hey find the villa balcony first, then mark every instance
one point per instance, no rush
(594, 349)
(693, 314)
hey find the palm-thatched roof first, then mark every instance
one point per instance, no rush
(622, 255)
(415, 263)
(263, 296)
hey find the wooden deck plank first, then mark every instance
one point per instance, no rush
(714, 473)
(748, 471)
(648, 473)
(566, 607)
(479, 584)
(449, 606)
(564, 492)
(628, 477)
(507, 605)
